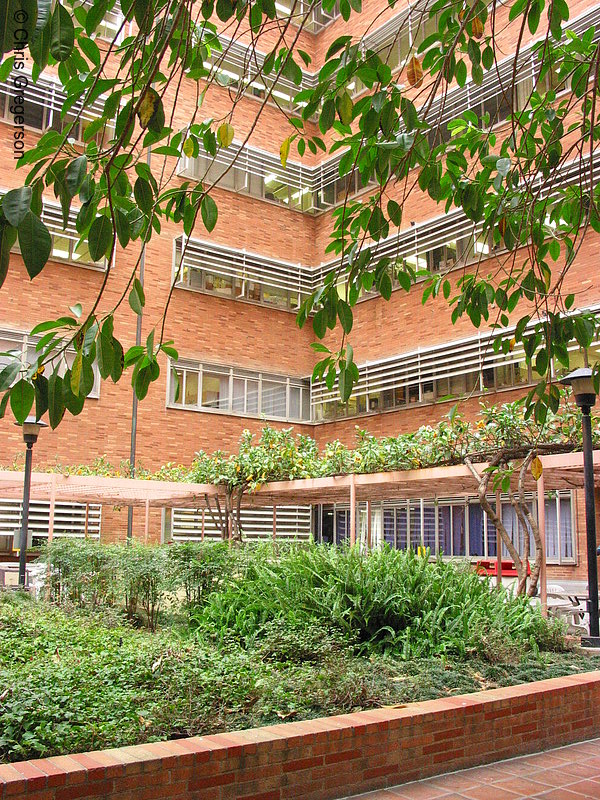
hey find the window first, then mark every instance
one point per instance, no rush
(23, 346)
(460, 527)
(442, 258)
(230, 390)
(215, 390)
(42, 110)
(239, 275)
(273, 399)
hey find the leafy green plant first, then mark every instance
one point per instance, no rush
(385, 601)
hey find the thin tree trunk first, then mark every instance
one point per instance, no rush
(483, 485)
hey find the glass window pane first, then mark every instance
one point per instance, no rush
(273, 399)
(342, 526)
(401, 528)
(551, 528)
(275, 296)
(429, 528)
(60, 247)
(191, 389)
(306, 403)
(196, 278)
(476, 531)
(295, 399)
(215, 390)
(177, 386)
(219, 284)
(458, 531)
(388, 527)
(566, 528)
(415, 525)
(445, 530)
(251, 397)
(239, 395)
(491, 538)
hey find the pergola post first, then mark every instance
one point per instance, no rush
(87, 519)
(352, 510)
(52, 507)
(274, 523)
(369, 531)
(202, 528)
(498, 541)
(541, 514)
(50, 532)
(147, 522)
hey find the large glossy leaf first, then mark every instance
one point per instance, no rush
(209, 211)
(8, 236)
(16, 204)
(62, 34)
(16, 16)
(100, 238)
(35, 243)
(22, 396)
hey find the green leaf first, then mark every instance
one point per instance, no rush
(76, 371)
(40, 386)
(137, 300)
(15, 14)
(62, 34)
(3, 404)
(8, 236)
(35, 243)
(123, 228)
(8, 375)
(142, 382)
(90, 49)
(345, 315)
(209, 211)
(225, 134)
(394, 212)
(320, 324)
(345, 107)
(16, 204)
(76, 172)
(284, 151)
(56, 403)
(100, 238)
(118, 361)
(22, 396)
(327, 115)
(144, 197)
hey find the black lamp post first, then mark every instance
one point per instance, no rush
(582, 384)
(31, 430)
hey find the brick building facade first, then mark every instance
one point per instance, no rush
(242, 358)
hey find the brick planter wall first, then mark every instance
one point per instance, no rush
(325, 758)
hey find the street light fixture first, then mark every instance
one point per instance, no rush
(31, 429)
(582, 383)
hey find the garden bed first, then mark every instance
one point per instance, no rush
(265, 638)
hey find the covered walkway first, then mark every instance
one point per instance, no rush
(567, 773)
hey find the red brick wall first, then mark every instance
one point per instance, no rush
(325, 758)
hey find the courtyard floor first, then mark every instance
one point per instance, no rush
(567, 773)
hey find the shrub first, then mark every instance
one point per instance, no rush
(387, 601)
(198, 569)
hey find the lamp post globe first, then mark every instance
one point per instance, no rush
(581, 382)
(31, 430)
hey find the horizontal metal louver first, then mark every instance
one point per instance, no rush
(292, 522)
(50, 95)
(463, 357)
(69, 518)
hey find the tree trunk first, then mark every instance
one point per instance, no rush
(483, 486)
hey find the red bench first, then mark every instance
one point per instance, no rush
(491, 568)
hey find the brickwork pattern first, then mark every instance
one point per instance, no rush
(325, 758)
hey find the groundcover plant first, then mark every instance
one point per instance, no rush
(144, 643)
